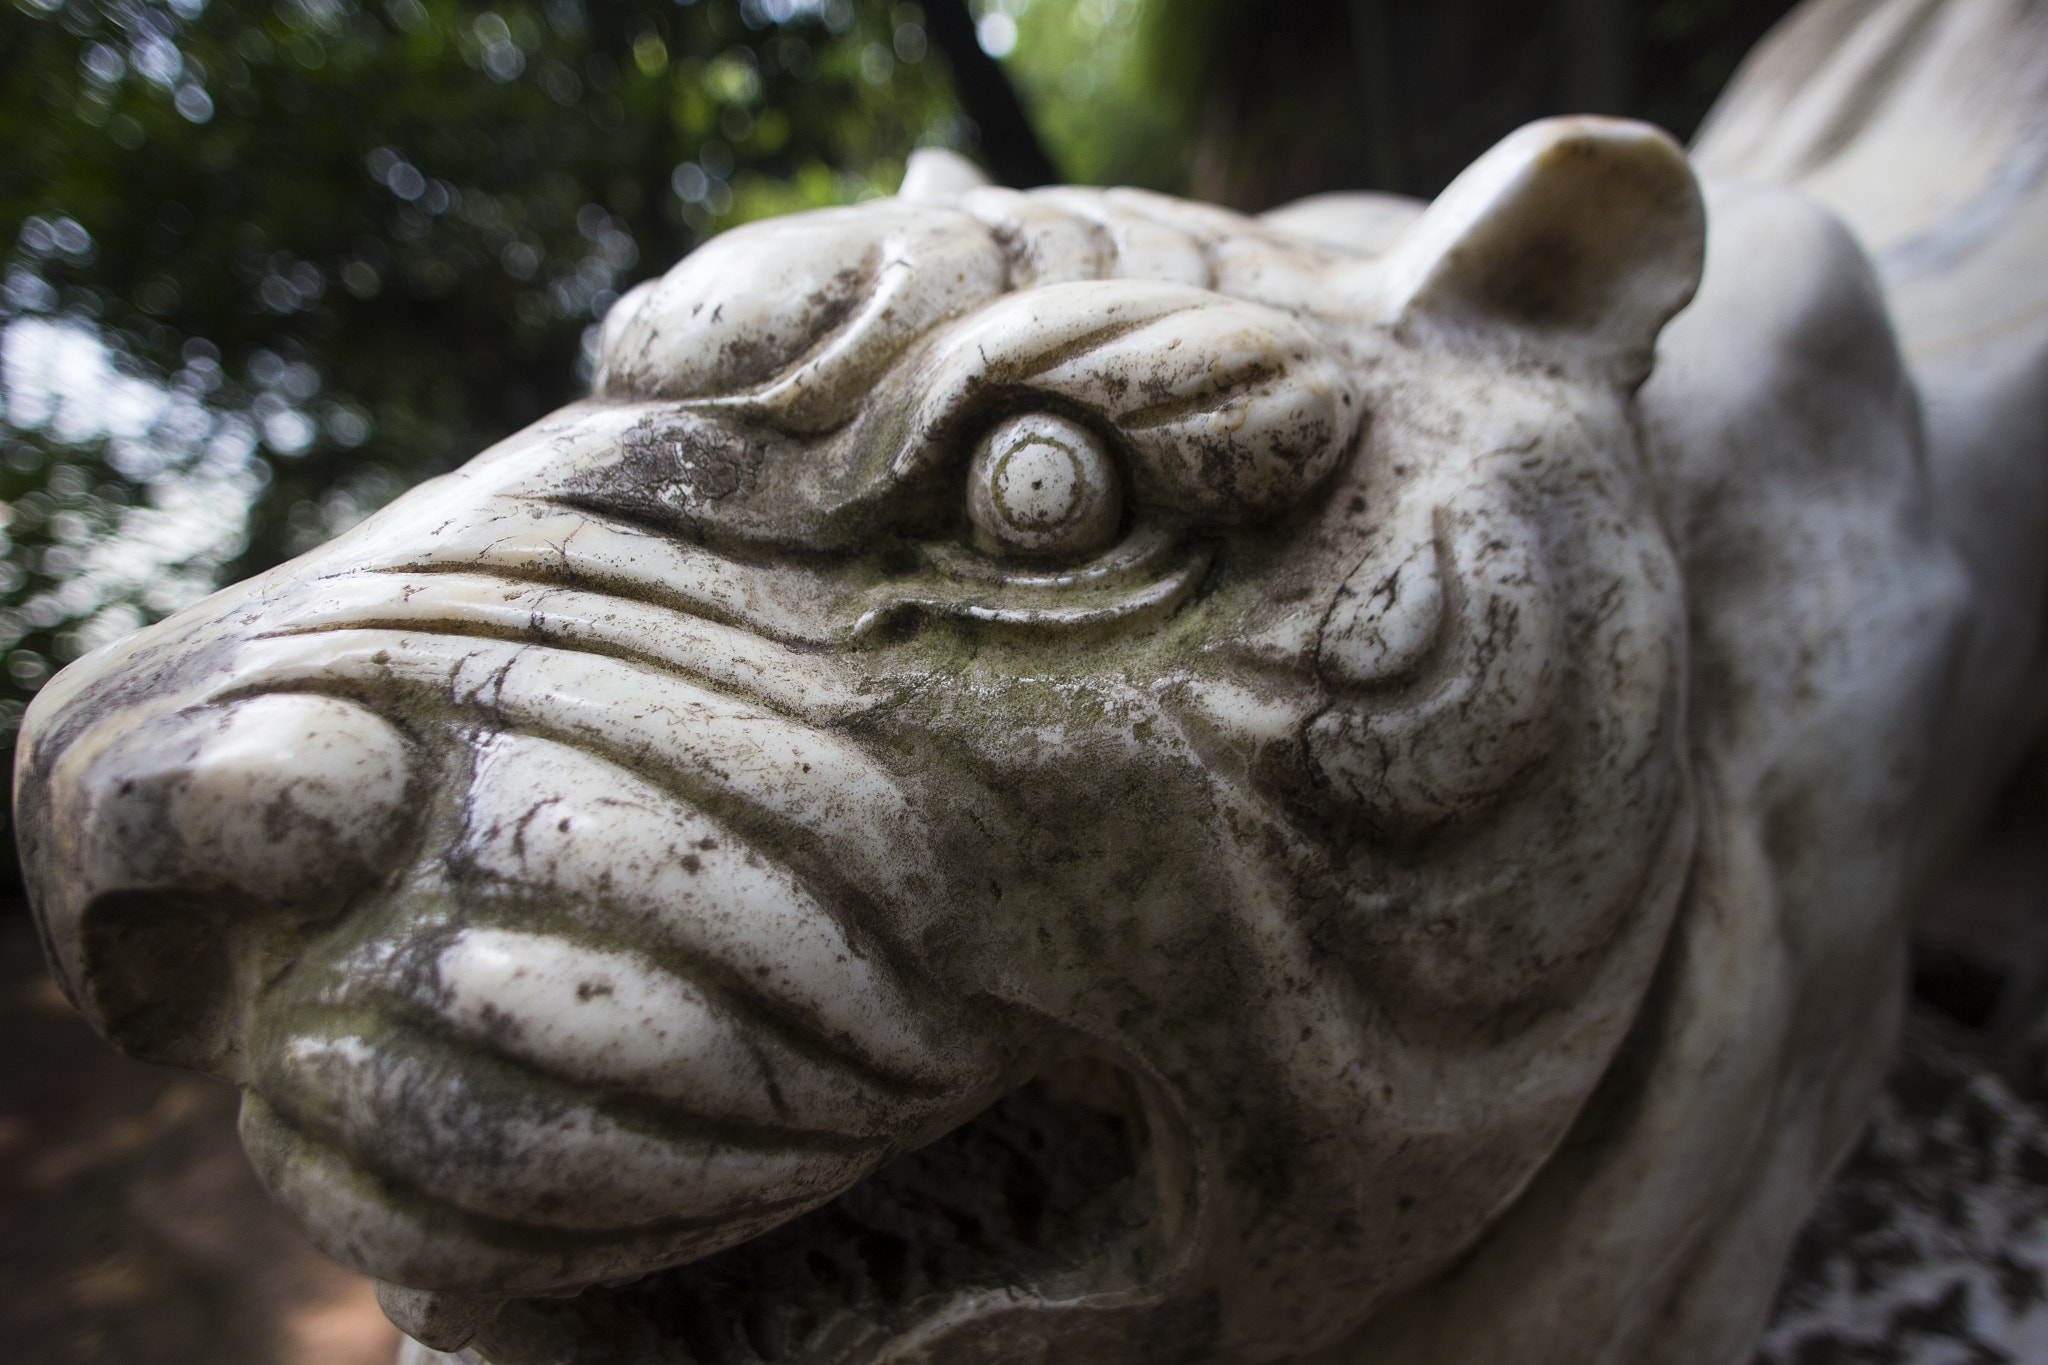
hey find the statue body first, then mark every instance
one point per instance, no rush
(1078, 777)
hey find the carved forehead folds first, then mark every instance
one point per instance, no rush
(866, 337)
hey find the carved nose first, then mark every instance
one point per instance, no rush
(186, 853)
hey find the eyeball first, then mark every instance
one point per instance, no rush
(1042, 487)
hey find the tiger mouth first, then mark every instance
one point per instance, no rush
(1069, 1192)
(1074, 1189)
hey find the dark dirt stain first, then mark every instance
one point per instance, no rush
(673, 471)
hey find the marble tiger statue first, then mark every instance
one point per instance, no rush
(1078, 777)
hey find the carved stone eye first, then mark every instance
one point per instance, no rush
(1042, 487)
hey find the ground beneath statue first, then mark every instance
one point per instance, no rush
(132, 1231)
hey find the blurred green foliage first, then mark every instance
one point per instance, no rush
(1101, 86)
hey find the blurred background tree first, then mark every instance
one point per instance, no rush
(1252, 103)
(270, 262)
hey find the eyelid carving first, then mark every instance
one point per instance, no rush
(1134, 585)
(1227, 411)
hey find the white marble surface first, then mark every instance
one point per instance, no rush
(1076, 772)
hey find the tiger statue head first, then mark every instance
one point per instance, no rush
(1063, 777)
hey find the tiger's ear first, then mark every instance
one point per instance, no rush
(1572, 242)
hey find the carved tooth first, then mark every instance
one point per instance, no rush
(442, 1322)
